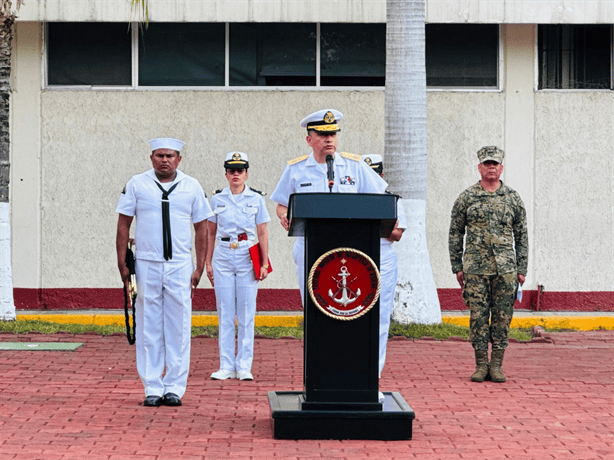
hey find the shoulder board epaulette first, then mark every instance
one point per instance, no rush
(298, 160)
(257, 191)
(351, 156)
(215, 192)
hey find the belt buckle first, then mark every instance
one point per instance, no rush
(234, 245)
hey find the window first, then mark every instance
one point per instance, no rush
(352, 54)
(260, 54)
(272, 54)
(84, 53)
(186, 54)
(575, 56)
(462, 55)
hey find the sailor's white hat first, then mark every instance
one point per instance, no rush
(166, 143)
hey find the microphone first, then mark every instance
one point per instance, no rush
(330, 173)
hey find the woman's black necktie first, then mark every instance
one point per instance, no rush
(166, 221)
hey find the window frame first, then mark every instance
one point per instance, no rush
(537, 69)
(136, 87)
(481, 89)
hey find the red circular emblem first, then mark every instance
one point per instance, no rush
(344, 283)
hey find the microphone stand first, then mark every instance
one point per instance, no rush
(330, 173)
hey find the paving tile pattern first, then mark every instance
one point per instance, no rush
(86, 404)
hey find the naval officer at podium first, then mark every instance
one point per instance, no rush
(310, 174)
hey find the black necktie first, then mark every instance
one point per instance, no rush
(166, 221)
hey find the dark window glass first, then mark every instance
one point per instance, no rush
(352, 54)
(272, 54)
(86, 53)
(182, 54)
(462, 55)
(575, 56)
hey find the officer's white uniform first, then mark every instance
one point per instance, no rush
(305, 175)
(164, 304)
(235, 284)
(388, 271)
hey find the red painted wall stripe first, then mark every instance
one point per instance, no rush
(290, 300)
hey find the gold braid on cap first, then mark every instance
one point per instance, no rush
(324, 127)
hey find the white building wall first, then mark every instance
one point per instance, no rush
(72, 152)
(26, 151)
(574, 201)
(457, 11)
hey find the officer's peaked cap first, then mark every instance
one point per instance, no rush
(323, 121)
(375, 161)
(236, 160)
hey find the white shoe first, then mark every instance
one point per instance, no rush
(380, 396)
(223, 374)
(245, 375)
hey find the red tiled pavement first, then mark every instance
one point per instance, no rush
(556, 404)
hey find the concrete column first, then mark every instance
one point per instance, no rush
(518, 172)
(25, 155)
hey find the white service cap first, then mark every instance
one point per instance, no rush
(323, 121)
(236, 160)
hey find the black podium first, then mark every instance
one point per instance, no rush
(340, 397)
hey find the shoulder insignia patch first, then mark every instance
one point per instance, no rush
(298, 160)
(351, 156)
(257, 191)
(124, 189)
(215, 192)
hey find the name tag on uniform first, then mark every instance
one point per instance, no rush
(307, 184)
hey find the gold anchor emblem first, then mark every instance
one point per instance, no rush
(329, 117)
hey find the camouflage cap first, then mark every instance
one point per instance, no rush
(491, 153)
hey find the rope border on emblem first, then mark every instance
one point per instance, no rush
(310, 286)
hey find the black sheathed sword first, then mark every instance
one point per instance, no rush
(130, 295)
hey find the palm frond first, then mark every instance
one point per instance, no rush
(141, 7)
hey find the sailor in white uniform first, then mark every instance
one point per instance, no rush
(239, 222)
(388, 268)
(165, 202)
(309, 174)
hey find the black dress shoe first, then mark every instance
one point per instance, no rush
(152, 401)
(171, 399)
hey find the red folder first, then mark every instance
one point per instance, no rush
(254, 252)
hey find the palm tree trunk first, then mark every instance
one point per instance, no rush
(405, 154)
(7, 304)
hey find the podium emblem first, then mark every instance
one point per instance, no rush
(344, 283)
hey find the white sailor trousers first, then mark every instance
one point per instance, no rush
(235, 294)
(388, 276)
(163, 325)
(298, 254)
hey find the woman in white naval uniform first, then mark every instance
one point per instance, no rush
(240, 216)
(388, 266)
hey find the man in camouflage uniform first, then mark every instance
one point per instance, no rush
(494, 262)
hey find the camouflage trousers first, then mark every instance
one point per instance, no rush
(490, 299)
